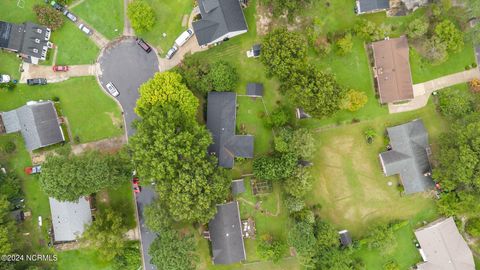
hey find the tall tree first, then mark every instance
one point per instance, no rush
(170, 148)
(194, 71)
(223, 76)
(283, 52)
(289, 7)
(141, 15)
(270, 248)
(450, 35)
(166, 88)
(170, 251)
(49, 16)
(417, 28)
(300, 183)
(275, 167)
(67, 178)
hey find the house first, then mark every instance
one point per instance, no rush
(255, 51)
(221, 20)
(345, 238)
(392, 70)
(221, 122)
(443, 248)
(409, 156)
(255, 90)
(238, 186)
(226, 235)
(69, 219)
(37, 121)
(370, 6)
(30, 41)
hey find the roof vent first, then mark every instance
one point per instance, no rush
(35, 50)
(37, 41)
(39, 30)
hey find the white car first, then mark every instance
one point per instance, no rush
(172, 52)
(70, 16)
(85, 29)
(184, 37)
(112, 89)
(4, 78)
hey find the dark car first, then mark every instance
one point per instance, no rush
(37, 81)
(144, 45)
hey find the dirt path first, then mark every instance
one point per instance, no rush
(423, 91)
(38, 71)
(107, 146)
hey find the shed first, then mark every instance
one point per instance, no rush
(238, 186)
(301, 114)
(255, 89)
(69, 218)
(369, 6)
(345, 238)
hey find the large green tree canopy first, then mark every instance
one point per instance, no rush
(170, 251)
(170, 148)
(141, 16)
(166, 88)
(67, 178)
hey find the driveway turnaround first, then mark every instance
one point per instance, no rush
(127, 66)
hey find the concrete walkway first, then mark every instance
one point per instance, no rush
(422, 91)
(37, 71)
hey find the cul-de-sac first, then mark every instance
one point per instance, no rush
(239, 135)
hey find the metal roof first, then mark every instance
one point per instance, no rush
(345, 238)
(409, 156)
(255, 89)
(226, 235)
(238, 186)
(372, 5)
(221, 121)
(219, 17)
(38, 123)
(69, 218)
(444, 247)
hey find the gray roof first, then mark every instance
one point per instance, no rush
(255, 89)
(443, 247)
(226, 235)
(409, 156)
(345, 238)
(372, 5)
(219, 17)
(238, 186)
(69, 218)
(38, 123)
(28, 39)
(221, 121)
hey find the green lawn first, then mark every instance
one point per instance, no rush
(92, 114)
(82, 259)
(74, 47)
(105, 16)
(10, 65)
(169, 15)
(350, 184)
(11, 12)
(120, 199)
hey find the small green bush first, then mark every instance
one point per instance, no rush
(473, 227)
(9, 147)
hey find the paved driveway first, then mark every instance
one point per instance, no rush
(143, 199)
(127, 66)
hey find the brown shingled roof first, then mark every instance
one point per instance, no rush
(392, 67)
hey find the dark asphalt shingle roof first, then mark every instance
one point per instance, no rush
(238, 186)
(25, 38)
(226, 235)
(37, 122)
(221, 122)
(219, 17)
(409, 156)
(255, 89)
(5, 29)
(372, 5)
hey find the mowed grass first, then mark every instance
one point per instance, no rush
(169, 15)
(92, 114)
(10, 65)
(74, 47)
(105, 16)
(350, 184)
(14, 13)
(82, 259)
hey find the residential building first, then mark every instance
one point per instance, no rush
(442, 247)
(409, 156)
(221, 122)
(37, 121)
(221, 20)
(29, 40)
(226, 235)
(69, 219)
(392, 70)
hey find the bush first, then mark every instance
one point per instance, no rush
(141, 15)
(55, 99)
(49, 16)
(270, 248)
(9, 147)
(223, 76)
(345, 44)
(354, 100)
(473, 227)
(391, 265)
(474, 85)
(274, 167)
(455, 103)
(294, 204)
(280, 117)
(370, 135)
(8, 86)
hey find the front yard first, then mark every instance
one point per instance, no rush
(104, 16)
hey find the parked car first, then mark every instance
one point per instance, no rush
(60, 68)
(85, 29)
(144, 45)
(70, 16)
(33, 169)
(4, 78)
(184, 37)
(172, 52)
(57, 6)
(112, 89)
(37, 81)
(136, 185)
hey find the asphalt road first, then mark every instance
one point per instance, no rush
(128, 66)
